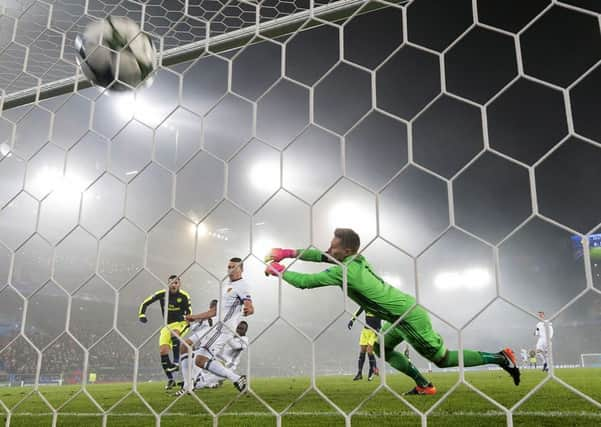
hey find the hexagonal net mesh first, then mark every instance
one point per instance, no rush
(458, 139)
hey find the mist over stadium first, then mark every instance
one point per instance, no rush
(460, 141)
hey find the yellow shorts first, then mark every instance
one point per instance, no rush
(165, 337)
(368, 337)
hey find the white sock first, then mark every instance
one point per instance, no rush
(199, 381)
(221, 371)
(542, 357)
(184, 362)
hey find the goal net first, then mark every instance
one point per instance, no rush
(458, 139)
(590, 360)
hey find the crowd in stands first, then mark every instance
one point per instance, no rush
(112, 359)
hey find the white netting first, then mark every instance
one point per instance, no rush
(458, 138)
(590, 360)
(36, 38)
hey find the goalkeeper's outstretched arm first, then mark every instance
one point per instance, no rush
(330, 277)
(152, 298)
(311, 254)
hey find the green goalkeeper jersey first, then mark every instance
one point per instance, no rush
(364, 286)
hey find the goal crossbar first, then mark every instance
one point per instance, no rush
(278, 27)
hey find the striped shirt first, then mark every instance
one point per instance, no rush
(232, 303)
(232, 350)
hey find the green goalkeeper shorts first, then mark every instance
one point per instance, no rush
(416, 329)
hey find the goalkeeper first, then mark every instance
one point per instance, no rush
(179, 306)
(388, 303)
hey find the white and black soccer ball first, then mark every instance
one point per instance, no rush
(114, 51)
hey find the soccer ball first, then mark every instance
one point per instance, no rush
(115, 51)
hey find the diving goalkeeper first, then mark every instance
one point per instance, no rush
(388, 303)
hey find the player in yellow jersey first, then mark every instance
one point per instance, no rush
(367, 340)
(179, 306)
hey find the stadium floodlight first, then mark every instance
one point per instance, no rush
(130, 106)
(476, 278)
(4, 149)
(471, 278)
(262, 172)
(348, 214)
(262, 245)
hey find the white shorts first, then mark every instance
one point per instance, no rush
(211, 342)
(196, 335)
(541, 345)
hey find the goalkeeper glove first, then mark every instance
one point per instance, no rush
(274, 269)
(142, 318)
(278, 254)
(350, 325)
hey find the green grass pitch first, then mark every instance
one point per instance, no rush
(551, 405)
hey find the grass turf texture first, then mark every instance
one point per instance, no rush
(552, 405)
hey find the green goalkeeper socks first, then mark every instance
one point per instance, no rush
(401, 363)
(470, 358)
(494, 358)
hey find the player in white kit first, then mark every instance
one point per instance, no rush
(229, 357)
(542, 344)
(196, 331)
(235, 303)
(524, 357)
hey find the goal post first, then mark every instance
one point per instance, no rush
(590, 360)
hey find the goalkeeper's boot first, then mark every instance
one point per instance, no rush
(510, 365)
(241, 384)
(358, 377)
(170, 384)
(427, 390)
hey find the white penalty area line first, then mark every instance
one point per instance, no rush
(551, 414)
